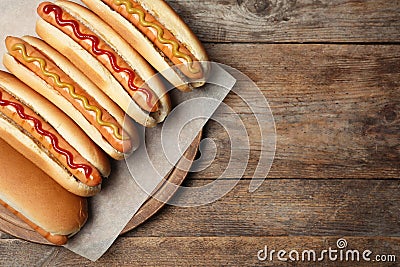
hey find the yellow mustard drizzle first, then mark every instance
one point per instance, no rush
(57, 80)
(160, 32)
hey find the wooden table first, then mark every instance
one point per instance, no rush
(330, 70)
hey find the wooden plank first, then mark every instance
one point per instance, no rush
(206, 251)
(292, 21)
(336, 108)
(286, 207)
(288, 211)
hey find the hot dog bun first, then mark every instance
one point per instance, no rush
(38, 200)
(99, 52)
(157, 32)
(50, 139)
(64, 85)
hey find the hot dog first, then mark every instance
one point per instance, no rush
(45, 135)
(157, 32)
(37, 199)
(99, 52)
(45, 70)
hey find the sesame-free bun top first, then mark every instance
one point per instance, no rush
(36, 196)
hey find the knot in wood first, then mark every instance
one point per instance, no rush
(390, 113)
(277, 10)
(257, 7)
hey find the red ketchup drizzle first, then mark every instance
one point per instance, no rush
(54, 141)
(95, 48)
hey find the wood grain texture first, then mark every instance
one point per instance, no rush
(286, 207)
(197, 251)
(330, 71)
(258, 21)
(336, 109)
(322, 96)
